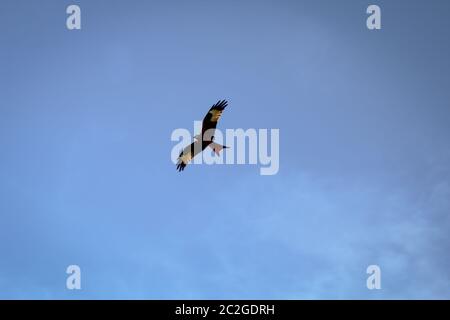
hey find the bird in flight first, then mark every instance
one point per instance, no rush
(205, 139)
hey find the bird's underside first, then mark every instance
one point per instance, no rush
(207, 136)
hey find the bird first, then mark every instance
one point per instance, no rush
(206, 137)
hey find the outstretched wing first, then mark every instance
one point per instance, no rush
(188, 154)
(211, 119)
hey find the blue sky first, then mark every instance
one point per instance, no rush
(85, 171)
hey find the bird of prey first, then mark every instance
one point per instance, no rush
(206, 137)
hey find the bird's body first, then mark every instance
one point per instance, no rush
(206, 138)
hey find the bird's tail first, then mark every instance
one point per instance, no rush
(217, 147)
